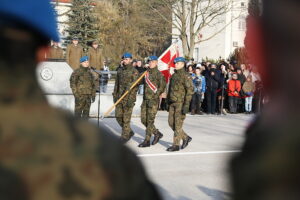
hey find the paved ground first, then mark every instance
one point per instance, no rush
(199, 171)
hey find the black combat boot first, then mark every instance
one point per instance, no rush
(124, 140)
(173, 148)
(193, 112)
(145, 144)
(186, 142)
(157, 137)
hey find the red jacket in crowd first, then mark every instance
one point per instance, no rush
(234, 85)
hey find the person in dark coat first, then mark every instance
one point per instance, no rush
(212, 83)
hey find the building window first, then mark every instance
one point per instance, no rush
(242, 23)
(243, 4)
(235, 44)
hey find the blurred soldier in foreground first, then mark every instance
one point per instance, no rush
(126, 76)
(268, 166)
(83, 87)
(155, 85)
(74, 53)
(55, 52)
(179, 97)
(46, 154)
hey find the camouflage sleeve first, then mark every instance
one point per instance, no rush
(73, 82)
(132, 94)
(94, 84)
(116, 87)
(162, 84)
(188, 85)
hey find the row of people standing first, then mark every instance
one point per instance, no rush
(222, 86)
(73, 54)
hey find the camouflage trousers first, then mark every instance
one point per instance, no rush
(148, 112)
(123, 116)
(176, 119)
(83, 105)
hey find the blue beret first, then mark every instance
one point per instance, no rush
(84, 58)
(153, 58)
(36, 14)
(127, 55)
(179, 59)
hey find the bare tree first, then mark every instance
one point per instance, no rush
(191, 17)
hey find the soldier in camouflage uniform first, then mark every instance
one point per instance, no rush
(155, 85)
(83, 87)
(46, 154)
(126, 76)
(179, 97)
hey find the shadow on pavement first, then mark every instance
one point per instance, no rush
(142, 133)
(167, 196)
(215, 194)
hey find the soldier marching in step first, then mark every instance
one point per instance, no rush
(155, 84)
(179, 97)
(126, 76)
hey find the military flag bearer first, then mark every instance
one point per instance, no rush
(179, 97)
(83, 87)
(155, 85)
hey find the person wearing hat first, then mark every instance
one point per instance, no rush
(155, 85)
(83, 86)
(96, 61)
(55, 52)
(179, 96)
(96, 56)
(46, 153)
(126, 76)
(74, 53)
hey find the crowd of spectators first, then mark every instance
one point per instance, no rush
(225, 88)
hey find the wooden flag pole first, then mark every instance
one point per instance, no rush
(123, 96)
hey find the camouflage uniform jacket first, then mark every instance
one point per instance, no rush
(82, 82)
(47, 154)
(126, 76)
(181, 88)
(158, 80)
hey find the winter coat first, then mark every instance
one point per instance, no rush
(55, 53)
(73, 55)
(234, 86)
(249, 88)
(212, 82)
(95, 58)
(199, 84)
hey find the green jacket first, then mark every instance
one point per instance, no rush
(126, 76)
(82, 82)
(156, 78)
(181, 88)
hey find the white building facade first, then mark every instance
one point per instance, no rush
(62, 7)
(233, 26)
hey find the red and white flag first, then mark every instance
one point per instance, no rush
(166, 61)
